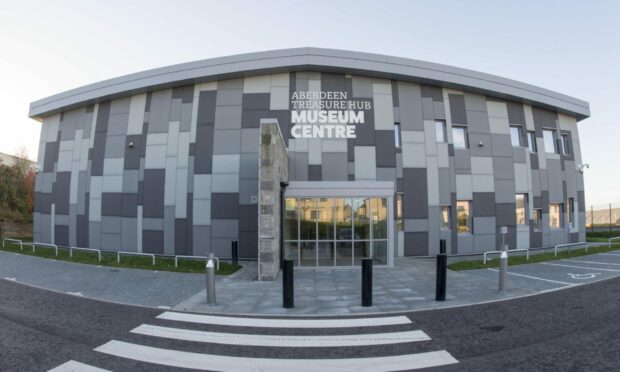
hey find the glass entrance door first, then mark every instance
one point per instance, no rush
(336, 231)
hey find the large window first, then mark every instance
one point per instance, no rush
(549, 138)
(531, 141)
(440, 131)
(521, 204)
(445, 217)
(336, 231)
(459, 136)
(515, 136)
(555, 216)
(463, 216)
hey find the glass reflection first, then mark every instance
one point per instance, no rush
(361, 218)
(307, 218)
(290, 219)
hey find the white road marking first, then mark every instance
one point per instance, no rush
(608, 254)
(281, 341)
(583, 276)
(284, 323)
(535, 277)
(80, 294)
(580, 267)
(11, 279)
(592, 262)
(184, 359)
(73, 366)
(163, 307)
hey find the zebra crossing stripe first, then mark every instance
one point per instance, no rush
(284, 323)
(184, 359)
(281, 341)
(73, 366)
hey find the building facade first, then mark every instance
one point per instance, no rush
(384, 157)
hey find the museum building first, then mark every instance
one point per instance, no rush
(316, 155)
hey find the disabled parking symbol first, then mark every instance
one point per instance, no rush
(584, 276)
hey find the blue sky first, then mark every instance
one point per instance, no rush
(567, 46)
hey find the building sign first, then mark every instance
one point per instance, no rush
(326, 114)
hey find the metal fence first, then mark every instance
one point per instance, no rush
(603, 217)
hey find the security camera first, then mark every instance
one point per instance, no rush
(582, 167)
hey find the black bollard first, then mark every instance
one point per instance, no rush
(366, 282)
(442, 267)
(288, 290)
(235, 252)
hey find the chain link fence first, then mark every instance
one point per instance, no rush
(603, 217)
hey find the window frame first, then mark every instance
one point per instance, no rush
(398, 139)
(525, 208)
(565, 142)
(470, 220)
(519, 134)
(570, 213)
(444, 129)
(441, 224)
(554, 140)
(560, 216)
(465, 136)
(531, 142)
(538, 220)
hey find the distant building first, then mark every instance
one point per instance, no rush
(11, 160)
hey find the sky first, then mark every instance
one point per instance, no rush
(572, 47)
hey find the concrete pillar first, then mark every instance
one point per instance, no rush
(273, 169)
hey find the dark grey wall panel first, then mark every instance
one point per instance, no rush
(385, 149)
(112, 204)
(516, 115)
(314, 172)
(180, 237)
(457, 108)
(224, 206)
(153, 199)
(415, 203)
(416, 243)
(203, 156)
(61, 195)
(153, 241)
(61, 235)
(132, 154)
(483, 204)
(206, 107)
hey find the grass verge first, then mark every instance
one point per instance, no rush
(601, 236)
(132, 262)
(534, 258)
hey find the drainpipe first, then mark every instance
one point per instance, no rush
(283, 186)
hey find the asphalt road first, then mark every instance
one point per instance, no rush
(575, 329)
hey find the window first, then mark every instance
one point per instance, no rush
(515, 136)
(538, 219)
(521, 205)
(555, 215)
(570, 212)
(549, 138)
(565, 144)
(397, 141)
(399, 212)
(440, 131)
(531, 141)
(445, 217)
(459, 135)
(463, 216)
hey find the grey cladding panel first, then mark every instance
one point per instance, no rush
(224, 206)
(385, 148)
(203, 157)
(484, 204)
(206, 107)
(433, 92)
(415, 203)
(416, 243)
(61, 197)
(186, 93)
(153, 241)
(516, 115)
(112, 204)
(153, 202)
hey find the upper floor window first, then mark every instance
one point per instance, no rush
(515, 136)
(531, 141)
(440, 131)
(570, 212)
(459, 135)
(445, 217)
(549, 138)
(537, 219)
(565, 144)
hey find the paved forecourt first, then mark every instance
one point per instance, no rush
(179, 340)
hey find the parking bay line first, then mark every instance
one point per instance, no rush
(72, 366)
(185, 359)
(534, 277)
(580, 267)
(284, 323)
(592, 262)
(281, 341)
